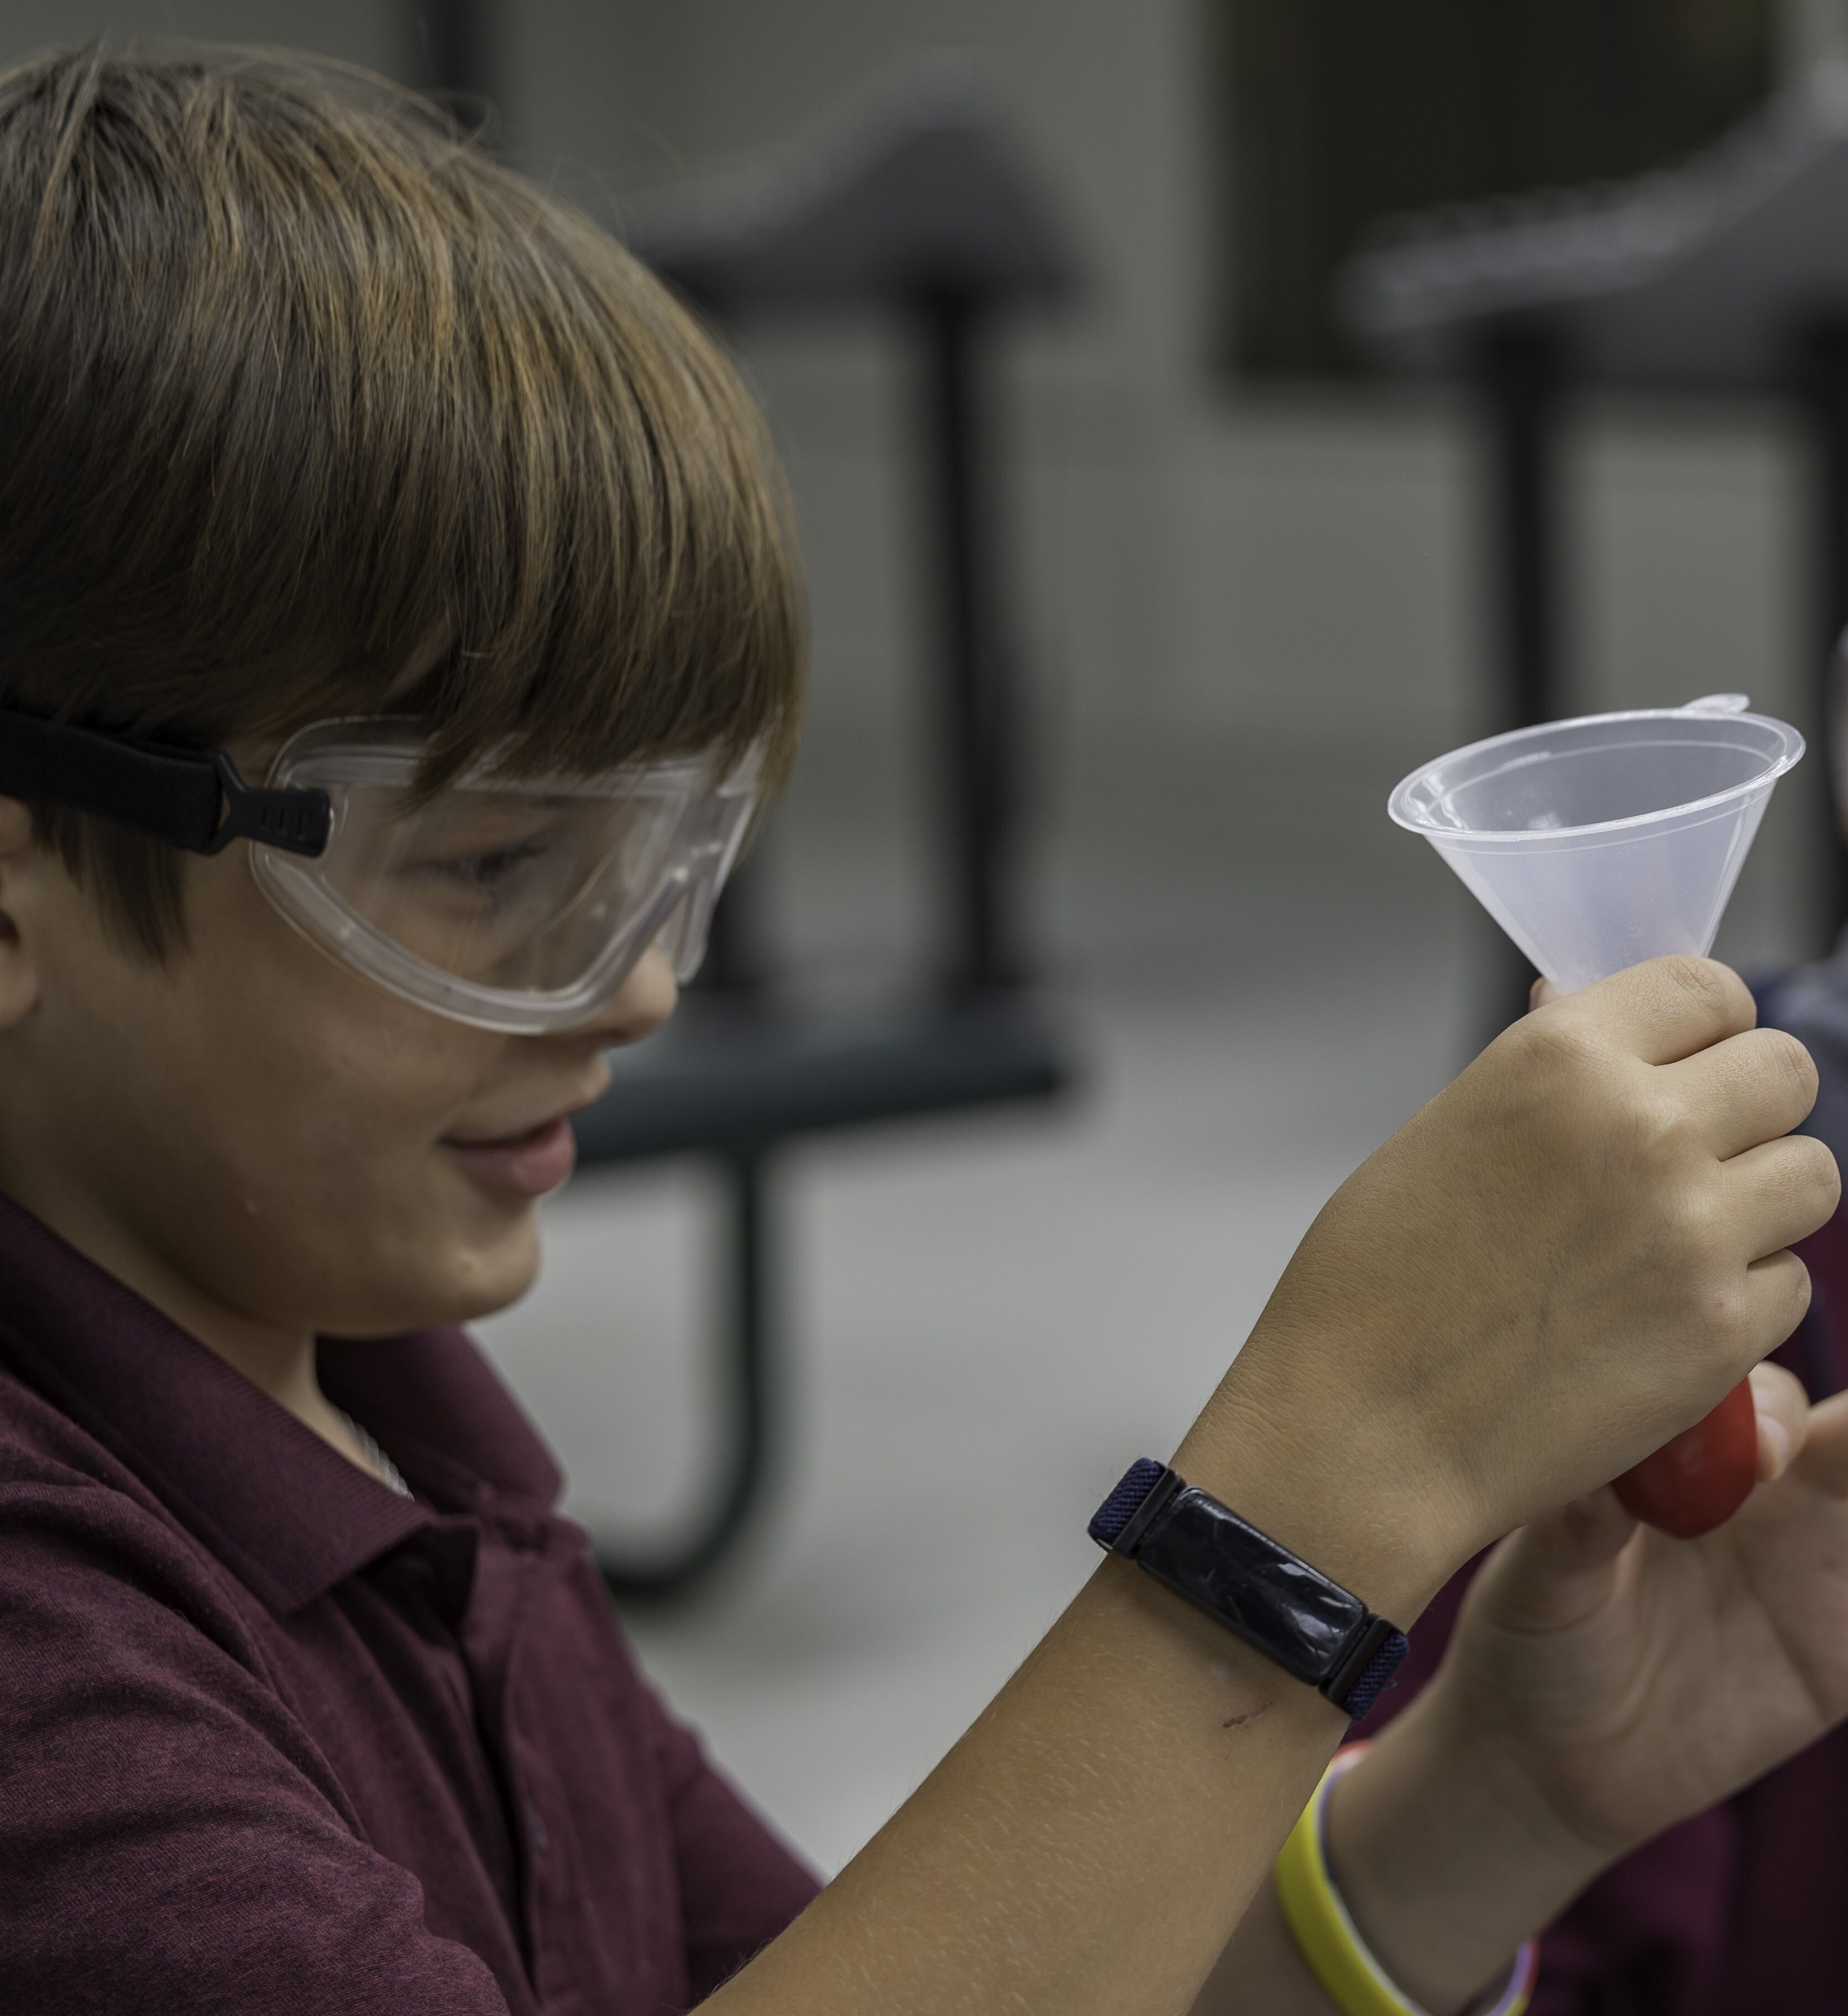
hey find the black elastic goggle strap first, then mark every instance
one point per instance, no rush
(189, 798)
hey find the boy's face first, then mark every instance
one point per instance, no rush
(266, 1129)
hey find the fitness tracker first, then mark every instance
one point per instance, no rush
(1318, 1632)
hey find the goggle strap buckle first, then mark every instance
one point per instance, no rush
(298, 821)
(192, 799)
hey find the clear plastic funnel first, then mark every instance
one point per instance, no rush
(1616, 838)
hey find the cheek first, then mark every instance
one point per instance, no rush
(359, 1098)
(314, 1070)
(268, 1125)
(346, 1213)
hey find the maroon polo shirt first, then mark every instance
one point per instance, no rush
(273, 1738)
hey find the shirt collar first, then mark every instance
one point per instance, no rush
(287, 1515)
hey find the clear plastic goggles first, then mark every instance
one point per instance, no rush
(514, 904)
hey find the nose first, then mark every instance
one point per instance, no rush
(638, 1007)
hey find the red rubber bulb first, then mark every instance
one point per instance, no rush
(1699, 1480)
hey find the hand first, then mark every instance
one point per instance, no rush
(1638, 1679)
(1604, 1683)
(1563, 1260)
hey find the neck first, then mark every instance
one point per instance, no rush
(278, 1361)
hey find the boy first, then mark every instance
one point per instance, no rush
(396, 629)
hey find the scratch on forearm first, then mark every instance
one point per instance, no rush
(1250, 1715)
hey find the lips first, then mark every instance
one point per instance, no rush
(533, 1160)
(526, 1166)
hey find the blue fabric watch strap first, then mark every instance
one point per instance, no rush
(1319, 1632)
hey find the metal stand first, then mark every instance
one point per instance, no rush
(977, 695)
(746, 1374)
(762, 1081)
(452, 43)
(1520, 371)
(1823, 386)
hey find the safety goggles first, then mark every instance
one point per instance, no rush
(511, 903)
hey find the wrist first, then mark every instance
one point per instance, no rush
(1350, 1496)
(1447, 1856)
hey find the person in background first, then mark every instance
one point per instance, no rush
(1742, 1905)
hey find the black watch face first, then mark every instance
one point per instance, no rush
(1277, 1604)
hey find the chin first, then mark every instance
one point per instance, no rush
(485, 1277)
(452, 1279)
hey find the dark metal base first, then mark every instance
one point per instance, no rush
(747, 1376)
(733, 1081)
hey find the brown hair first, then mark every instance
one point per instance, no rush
(308, 408)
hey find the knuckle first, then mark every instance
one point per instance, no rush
(1670, 1238)
(1721, 1309)
(1708, 984)
(1656, 1129)
(1550, 1047)
(1793, 1063)
(1703, 1305)
(1784, 1295)
(1692, 1225)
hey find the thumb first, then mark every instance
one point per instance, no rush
(1582, 1537)
(1783, 1411)
(1556, 1570)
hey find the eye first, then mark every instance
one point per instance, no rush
(488, 871)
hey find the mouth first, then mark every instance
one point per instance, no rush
(529, 1162)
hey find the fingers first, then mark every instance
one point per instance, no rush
(1783, 1410)
(1774, 1194)
(1748, 1088)
(1824, 1460)
(1541, 992)
(1775, 1295)
(1664, 1009)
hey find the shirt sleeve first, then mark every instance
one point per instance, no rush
(170, 1841)
(740, 1885)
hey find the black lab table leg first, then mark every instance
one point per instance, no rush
(745, 1378)
(1823, 381)
(1520, 371)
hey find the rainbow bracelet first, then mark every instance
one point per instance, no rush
(1331, 1944)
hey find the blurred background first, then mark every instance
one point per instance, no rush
(1250, 581)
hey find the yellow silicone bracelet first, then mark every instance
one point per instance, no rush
(1328, 1939)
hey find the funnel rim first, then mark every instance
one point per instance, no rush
(1398, 811)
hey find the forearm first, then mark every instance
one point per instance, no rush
(1087, 1847)
(1091, 1842)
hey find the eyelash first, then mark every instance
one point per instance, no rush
(483, 872)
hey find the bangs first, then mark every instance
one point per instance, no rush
(603, 512)
(312, 409)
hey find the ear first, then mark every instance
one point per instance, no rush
(19, 968)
